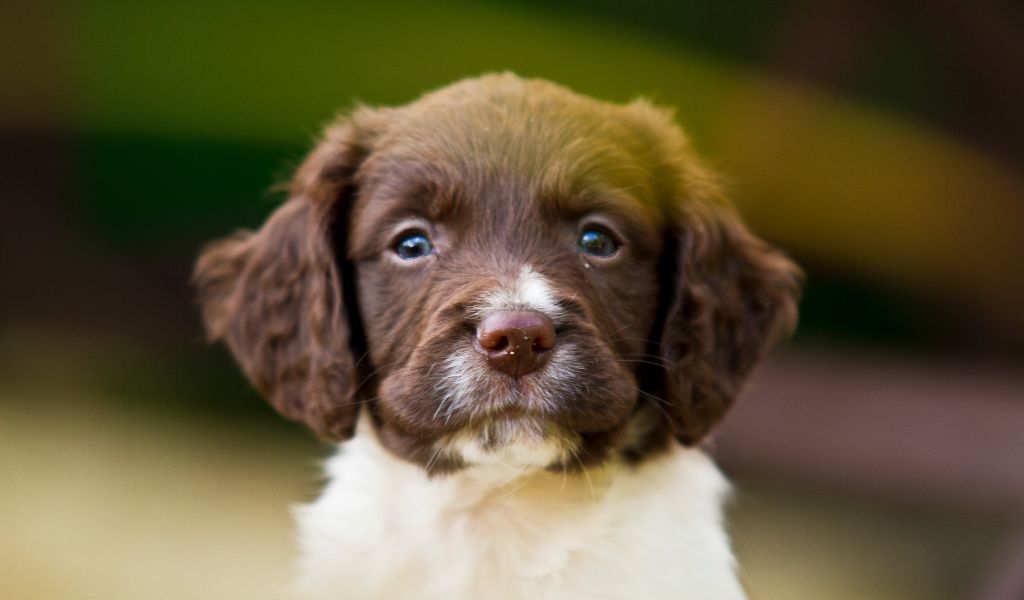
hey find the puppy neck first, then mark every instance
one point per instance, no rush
(478, 482)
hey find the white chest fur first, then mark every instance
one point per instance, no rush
(383, 530)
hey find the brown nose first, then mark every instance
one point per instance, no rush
(516, 342)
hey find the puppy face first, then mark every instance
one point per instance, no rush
(501, 272)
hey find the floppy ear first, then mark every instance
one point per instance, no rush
(732, 297)
(727, 296)
(278, 296)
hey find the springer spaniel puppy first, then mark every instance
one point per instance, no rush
(518, 311)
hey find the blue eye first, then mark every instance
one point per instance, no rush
(597, 243)
(413, 245)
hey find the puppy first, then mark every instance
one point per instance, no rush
(519, 311)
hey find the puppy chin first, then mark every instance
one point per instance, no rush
(513, 443)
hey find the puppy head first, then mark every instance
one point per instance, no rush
(502, 271)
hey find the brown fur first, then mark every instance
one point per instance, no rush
(502, 171)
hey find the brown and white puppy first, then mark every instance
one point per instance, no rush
(540, 304)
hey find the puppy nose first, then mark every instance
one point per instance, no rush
(516, 342)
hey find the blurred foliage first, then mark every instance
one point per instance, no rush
(144, 189)
(184, 114)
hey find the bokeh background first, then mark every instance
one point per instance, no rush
(879, 454)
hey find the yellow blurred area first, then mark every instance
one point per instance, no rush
(103, 504)
(105, 497)
(100, 502)
(875, 195)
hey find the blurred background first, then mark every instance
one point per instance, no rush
(879, 454)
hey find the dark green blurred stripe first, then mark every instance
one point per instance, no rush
(843, 308)
(138, 187)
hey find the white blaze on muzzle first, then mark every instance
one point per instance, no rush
(528, 290)
(463, 377)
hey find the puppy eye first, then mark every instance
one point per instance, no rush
(597, 243)
(413, 245)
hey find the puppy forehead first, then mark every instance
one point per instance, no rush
(491, 147)
(452, 174)
(489, 154)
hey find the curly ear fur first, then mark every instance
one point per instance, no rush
(278, 296)
(727, 295)
(734, 297)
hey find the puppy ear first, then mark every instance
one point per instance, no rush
(733, 296)
(727, 296)
(278, 296)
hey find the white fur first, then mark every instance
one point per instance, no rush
(503, 528)
(462, 379)
(528, 291)
(458, 378)
(523, 445)
(383, 530)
